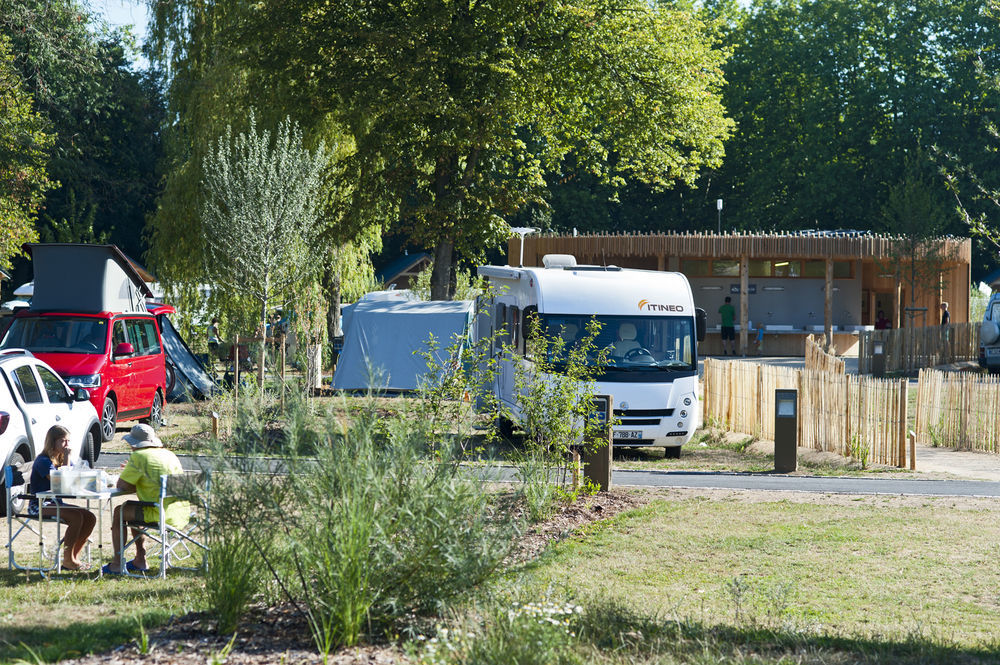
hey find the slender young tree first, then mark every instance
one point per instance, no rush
(261, 213)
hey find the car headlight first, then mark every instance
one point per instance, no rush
(687, 401)
(87, 381)
(684, 414)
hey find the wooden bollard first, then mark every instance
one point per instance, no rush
(215, 426)
(913, 450)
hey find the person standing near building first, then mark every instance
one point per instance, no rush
(945, 315)
(728, 315)
(214, 340)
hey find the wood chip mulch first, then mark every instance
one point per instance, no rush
(281, 635)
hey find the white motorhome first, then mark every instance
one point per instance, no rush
(648, 322)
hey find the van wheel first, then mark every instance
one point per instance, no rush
(109, 418)
(171, 377)
(17, 504)
(87, 452)
(672, 452)
(155, 412)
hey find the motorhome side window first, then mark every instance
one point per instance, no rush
(500, 330)
(528, 320)
(513, 328)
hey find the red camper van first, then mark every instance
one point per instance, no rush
(88, 320)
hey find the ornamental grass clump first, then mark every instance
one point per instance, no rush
(368, 530)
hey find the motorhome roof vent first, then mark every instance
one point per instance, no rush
(559, 261)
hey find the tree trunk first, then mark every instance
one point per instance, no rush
(453, 278)
(331, 288)
(263, 347)
(314, 364)
(441, 276)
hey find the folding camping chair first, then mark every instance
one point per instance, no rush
(19, 519)
(175, 544)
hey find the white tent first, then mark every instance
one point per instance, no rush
(382, 341)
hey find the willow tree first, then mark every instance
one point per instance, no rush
(458, 108)
(24, 149)
(261, 216)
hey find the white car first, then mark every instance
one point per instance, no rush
(33, 398)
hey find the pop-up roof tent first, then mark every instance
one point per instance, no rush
(382, 341)
(85, 278)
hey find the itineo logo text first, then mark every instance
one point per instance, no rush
(655, 307)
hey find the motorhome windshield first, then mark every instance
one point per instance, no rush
(57, 334)
(634, 343)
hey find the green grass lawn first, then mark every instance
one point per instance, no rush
(840, 575)
(75, 614)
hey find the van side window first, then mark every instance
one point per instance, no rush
(26, 385)
(143, 335)
(118, 335)
(154, 340)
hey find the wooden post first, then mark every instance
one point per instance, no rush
(661, 262)
(913, 450)
(744, 303)
(575, 463)
(898, 305)
(281, 342)
(828, 304)
(236, 375)
(901, 436)
(597, 456)
(215, 425)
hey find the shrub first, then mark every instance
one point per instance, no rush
(366, 532)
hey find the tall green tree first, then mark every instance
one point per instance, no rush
(831, 96)
(24, 149)
(104, 117)
(458, 108)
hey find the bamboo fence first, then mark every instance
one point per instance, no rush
(821, 361)
(852, 416)
(911, 349)
(958, 410)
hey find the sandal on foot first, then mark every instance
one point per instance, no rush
(132, 568)
(107, 570)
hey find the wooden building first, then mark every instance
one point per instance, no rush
(792, 284)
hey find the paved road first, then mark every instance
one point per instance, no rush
(725, 480)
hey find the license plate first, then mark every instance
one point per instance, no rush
(628, 434)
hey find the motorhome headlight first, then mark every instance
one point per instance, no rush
(86, 381)
(687, 401)
(684, 413)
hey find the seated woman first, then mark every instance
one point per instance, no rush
(79, 521)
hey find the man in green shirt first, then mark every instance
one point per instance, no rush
(148, 462)
(728, 315)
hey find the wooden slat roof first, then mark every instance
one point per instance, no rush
(803, 245)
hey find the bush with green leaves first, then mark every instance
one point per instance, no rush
(365, 531)
(555, 387)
